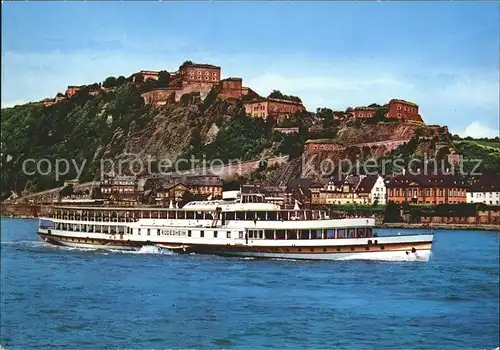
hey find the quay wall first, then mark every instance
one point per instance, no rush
(20, 210)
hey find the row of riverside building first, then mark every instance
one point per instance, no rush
(414, 189)
(348, 190)
(374, 189)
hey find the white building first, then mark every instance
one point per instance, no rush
(485, 192)
(373, 187)
(353, 190)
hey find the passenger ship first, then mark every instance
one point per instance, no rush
(245, 226)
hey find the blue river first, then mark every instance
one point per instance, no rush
(68, 298)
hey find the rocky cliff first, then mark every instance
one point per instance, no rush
(116, 124)
(85, 129)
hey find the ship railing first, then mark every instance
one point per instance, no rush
(96, 219)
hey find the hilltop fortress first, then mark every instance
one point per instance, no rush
(202, 78)
(195, 77)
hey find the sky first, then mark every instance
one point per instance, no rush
(444, 56)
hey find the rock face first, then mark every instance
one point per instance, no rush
(172, 130)
(353, 144)
(380, 132)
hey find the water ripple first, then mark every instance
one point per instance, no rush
(71, 298)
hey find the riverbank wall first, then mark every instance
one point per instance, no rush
(479, 227)
(21, 210)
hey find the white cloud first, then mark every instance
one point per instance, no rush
(471, 89)
(334, 89)
(477, 130)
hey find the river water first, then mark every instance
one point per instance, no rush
(69, 298)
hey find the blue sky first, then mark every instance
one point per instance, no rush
(443, 56)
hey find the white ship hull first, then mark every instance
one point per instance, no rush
(400, 248)
(93, 246)
(422, 255)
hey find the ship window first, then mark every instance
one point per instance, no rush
(189, 233)
(367, 248)
(324, 249)
(228, 234)
(350, 233)
(338, 249)
(369, 232)
(352, 249)
(300, 249)
(240, 215)
(202, 233)
(269, 234)
(139, 232)
(382, 247)
(251, 215)
(272, 215)
(240, 235)
(280, 234)
(157, 232)
(292, 234)
(149, 231)
(312, 249)
(361, 233)
(330, 234)
(341, 233)
(304, 234)
(215, 234)
(316, 234)
(261, 234)
(230, 215)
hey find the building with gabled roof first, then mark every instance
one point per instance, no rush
(373, 188)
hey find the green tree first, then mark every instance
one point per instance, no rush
(163, 79)
(326, 114)
(276, 94)
(121, 80)
(109, 82)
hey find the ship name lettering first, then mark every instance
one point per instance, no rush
(174, 232)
